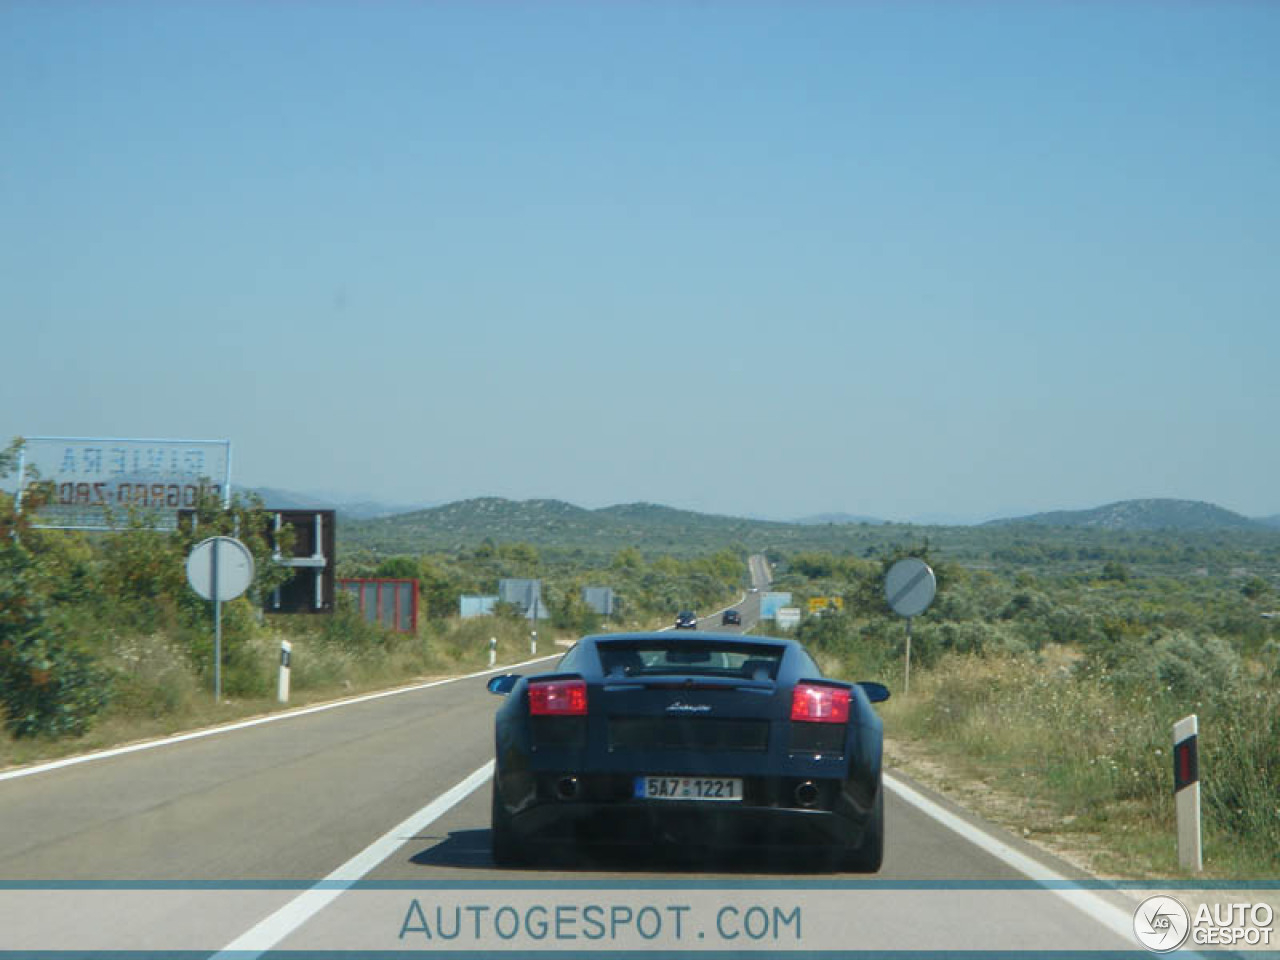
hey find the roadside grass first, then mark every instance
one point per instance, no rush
(158, 692)
(1061, 751)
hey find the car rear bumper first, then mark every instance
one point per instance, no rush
(775, 812)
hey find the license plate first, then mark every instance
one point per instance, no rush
(689, 788)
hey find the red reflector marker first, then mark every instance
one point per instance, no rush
(811, 703)
(560, 698)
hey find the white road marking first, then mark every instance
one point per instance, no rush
(256, 721)
(279, 925)
(1098, 909)
(296, 912)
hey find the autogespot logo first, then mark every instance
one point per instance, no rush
(1161, 924)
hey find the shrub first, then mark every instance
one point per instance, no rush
(1186, 667)
(347, 627)
(48, 686)
(150, 677)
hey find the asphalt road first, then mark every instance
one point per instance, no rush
(296, 798)
(293, 799)
(748, 605)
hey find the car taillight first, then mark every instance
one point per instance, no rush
(558, 698)
(813, 703)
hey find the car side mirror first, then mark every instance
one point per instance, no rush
(876, 692)
(503, 683)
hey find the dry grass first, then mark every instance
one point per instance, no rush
(1051, 751)
(159, 693)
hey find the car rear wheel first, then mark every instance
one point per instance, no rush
(503, 844)
(867, 856)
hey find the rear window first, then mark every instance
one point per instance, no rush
(655, 658)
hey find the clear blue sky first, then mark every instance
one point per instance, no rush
(898, 259)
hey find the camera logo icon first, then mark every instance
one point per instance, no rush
(1161, 924)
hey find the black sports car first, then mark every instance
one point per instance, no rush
(715, 740)
(686, 620)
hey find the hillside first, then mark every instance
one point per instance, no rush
(1155, 514)
(554, 524)
(1184, 538)
(818, 519)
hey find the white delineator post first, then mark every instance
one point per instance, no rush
(1186, 787)
(493, 650)
(282, 687)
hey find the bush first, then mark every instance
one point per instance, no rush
(48, 686)
(151, 677)
(1183, 666)
(348, 629)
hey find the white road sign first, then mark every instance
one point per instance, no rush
(909, 587)
(235, 568)
(93, 483)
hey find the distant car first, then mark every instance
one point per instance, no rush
(686, 620)
(755, 589)
(731, 618)
(717, 741)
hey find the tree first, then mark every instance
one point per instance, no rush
(1115, 571)
(48, 686)
(398, 568)
(1255, 588)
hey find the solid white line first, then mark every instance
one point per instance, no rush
(269, 932)
(1104, 913)
(256, 721)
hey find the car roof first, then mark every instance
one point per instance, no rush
(664, 636)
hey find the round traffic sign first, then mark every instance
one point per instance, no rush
(909, 587)
(235, 567)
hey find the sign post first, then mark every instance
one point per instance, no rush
(909, 586)
(219, 569)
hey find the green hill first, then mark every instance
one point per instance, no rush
(554, 524)
(1155, 514)
(1165, 534)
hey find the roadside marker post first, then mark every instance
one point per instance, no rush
(282, 686)
(493, 651)
(1186, 791)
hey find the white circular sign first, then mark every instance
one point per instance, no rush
(235, 568)
(1161, 923)
(909, 587)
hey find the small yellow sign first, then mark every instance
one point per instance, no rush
(822, 604)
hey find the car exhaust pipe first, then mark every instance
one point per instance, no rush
(567, 788)
(807, 794)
